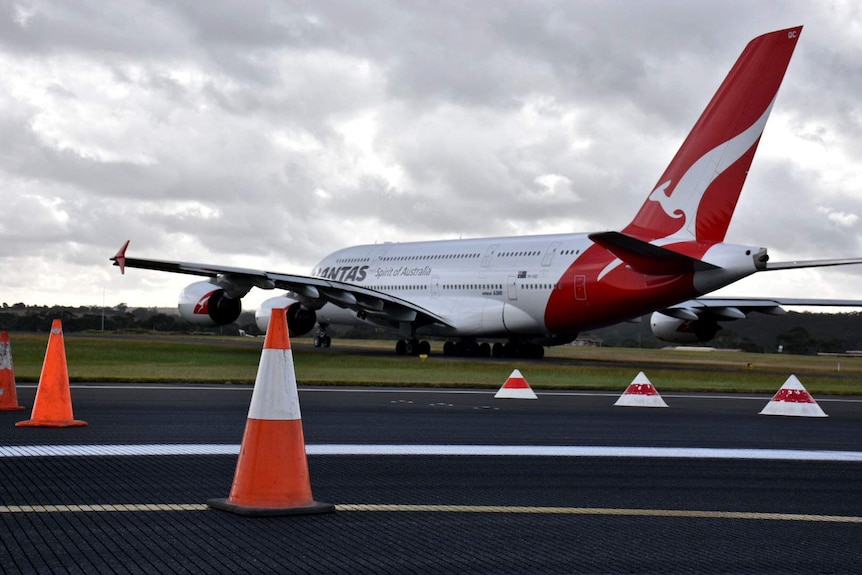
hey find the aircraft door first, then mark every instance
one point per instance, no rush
(486, 260)
(377, 254)
(549, 253)
(513, 288)
(581, 288)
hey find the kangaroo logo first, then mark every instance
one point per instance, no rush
(667, 202)
(684, 202)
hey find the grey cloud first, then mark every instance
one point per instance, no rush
(221, 124)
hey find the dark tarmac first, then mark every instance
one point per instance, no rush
(666, 509)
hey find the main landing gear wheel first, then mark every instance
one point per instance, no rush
(509, 350)
(412, 347)
(322, 341)
(524, 350)
(466, 348)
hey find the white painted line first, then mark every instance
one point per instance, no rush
(152, 386)
(116, 450)
(247, 388)
(438, 450)
(585, 451)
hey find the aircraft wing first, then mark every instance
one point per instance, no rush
(311, 290)
(725, 309)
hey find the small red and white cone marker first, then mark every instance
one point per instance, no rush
(516, 387)
(641, 393)
(794, 400)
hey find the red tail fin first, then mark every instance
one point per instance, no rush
(697, 194)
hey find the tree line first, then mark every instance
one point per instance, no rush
(20, 317)
(794, 332)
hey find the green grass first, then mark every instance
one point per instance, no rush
(169, 358)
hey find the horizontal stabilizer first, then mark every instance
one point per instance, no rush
(646, 258)
(772, 266)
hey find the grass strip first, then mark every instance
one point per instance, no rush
(212, 359)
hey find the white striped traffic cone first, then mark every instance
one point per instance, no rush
(516, 387)
(641, 393)
(272, 470)
(793, 399)
(8, 394)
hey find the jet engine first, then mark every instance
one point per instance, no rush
(676, 330)
(204, 303)
(300, 320)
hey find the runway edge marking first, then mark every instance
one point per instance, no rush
(438, 450)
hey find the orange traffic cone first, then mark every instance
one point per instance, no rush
(8, 395)
(53, 404)
(271, 475)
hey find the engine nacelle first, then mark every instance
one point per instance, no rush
(675, 330)
(203, 303)
(300, 320)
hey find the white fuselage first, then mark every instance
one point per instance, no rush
(546, 287)
(488, 286)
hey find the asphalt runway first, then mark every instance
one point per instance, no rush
(438, 481)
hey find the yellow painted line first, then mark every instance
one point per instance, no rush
(400, 508)
(601, 511)
(106, 508)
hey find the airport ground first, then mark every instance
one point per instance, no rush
(438, 481)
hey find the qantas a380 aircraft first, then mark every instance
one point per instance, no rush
(527, 292)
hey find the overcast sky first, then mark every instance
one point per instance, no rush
(267, 134)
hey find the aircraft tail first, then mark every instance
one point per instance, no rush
(697, 194)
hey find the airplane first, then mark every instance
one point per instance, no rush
(527, 292)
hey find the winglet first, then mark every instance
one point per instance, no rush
(120, 258)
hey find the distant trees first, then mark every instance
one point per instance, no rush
(797, 333)
(20, 317)
(797, 341)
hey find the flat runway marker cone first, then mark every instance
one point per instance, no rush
(516, 387)
(794, 400)
(8, 395)
(641, 393)
(271, 475)
(53, 404)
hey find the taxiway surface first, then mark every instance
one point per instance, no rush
(438, 481)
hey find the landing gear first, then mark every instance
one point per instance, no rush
(467, 348)
(529, 350)
(412, 347)
(321, 339)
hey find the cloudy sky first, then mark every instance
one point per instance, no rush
(266, 134)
